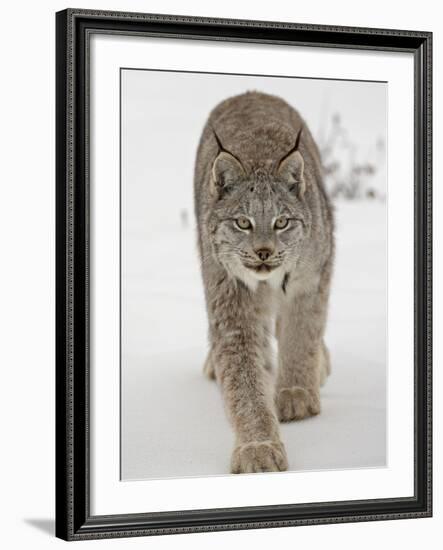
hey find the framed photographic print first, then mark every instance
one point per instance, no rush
(243, 274)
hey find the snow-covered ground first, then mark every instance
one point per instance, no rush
(173, 421)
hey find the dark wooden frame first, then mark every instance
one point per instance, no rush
(73, 518)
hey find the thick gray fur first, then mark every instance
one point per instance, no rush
(257, 163)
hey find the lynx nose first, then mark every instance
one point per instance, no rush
(264, 253)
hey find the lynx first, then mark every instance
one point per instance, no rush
(265, 235)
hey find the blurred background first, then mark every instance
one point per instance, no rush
(172, 419)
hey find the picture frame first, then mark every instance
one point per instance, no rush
(75, 520)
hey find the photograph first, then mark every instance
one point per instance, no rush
(253, 218)
(243, 274)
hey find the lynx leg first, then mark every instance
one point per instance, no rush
(209, 364)
(240, 359)
(268, 351)
(302, 357)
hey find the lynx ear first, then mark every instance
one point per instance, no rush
(291, 168)
(291, 171)
(226, 171)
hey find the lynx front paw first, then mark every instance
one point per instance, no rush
(296, 403)
(259, 456)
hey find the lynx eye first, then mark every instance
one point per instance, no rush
(243, 222)
(281, 222)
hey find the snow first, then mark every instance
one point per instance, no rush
(173, 423)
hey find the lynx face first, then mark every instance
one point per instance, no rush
(260, 225)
